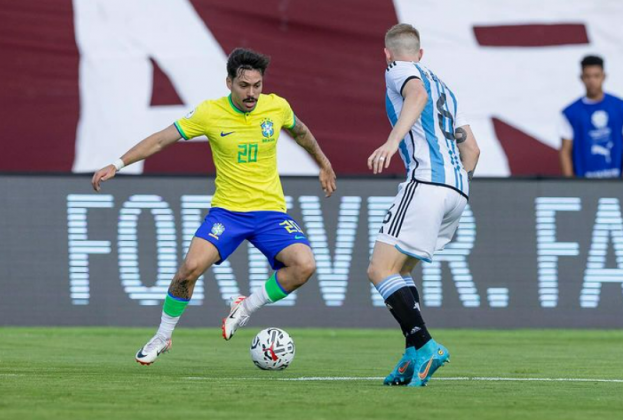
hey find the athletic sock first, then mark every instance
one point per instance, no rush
(270, 293)
(256, 300)
(171, 313)
(416, 295)
(413, 288)
(401, 303)
(386, 288)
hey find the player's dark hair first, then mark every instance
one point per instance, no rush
(592, 60)
(242, 59)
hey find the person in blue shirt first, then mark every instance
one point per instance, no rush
(591, 128)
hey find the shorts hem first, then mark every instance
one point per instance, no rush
(275, 264)
(218, 249)
(411, 254)
(386, 239)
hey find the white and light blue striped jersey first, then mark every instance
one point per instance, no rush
(429, 150)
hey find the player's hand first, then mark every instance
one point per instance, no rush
(327, 181)
(381, 157)
(102, 175)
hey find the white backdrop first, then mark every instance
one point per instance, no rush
(525, 86)
(116, 38)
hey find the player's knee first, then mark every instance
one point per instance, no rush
(305, 267)
(309, 267)
(376, 273)
(190, 270)
(371, 272)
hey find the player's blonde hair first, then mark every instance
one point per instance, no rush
(403, 39)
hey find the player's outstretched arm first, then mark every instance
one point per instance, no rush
(142, 150)
(415, 98)
(468, 149)
(301, 134)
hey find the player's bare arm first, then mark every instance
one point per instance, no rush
(468, 149)
(566, 158)
(301, 134)
(415, 98)
(142, 150)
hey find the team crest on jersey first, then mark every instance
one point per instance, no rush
(599, 119)
(217, 230)
(267, 128)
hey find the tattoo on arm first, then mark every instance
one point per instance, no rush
(299, 130)
(304, 138)
(470, 175)
(460, 135)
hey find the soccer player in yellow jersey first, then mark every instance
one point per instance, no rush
(243, 129)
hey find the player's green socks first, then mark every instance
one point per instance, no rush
(274, 290)
(174, 306)
(171, 312)
(271, 292)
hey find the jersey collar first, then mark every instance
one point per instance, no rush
(231, 103)
(588, 101)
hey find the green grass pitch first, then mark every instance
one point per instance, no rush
(90, 373)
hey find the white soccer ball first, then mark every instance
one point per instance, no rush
(272, 349)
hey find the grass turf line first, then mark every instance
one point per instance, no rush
(90, 373)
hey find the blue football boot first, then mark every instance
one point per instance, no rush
(429, 358)
(403, 372)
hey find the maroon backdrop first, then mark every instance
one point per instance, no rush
(327, 59)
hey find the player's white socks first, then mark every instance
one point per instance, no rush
(167, 325)
(270, 293)
(172, 310)
(257, 299)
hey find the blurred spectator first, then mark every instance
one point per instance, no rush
(591, 128)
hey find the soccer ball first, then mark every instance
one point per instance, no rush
(272, 349)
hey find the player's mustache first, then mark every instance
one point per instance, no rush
(250, 99)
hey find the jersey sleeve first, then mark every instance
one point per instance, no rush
(195, 123)
(399, 73)
(565, 131)
(460, 119)
(289, 119)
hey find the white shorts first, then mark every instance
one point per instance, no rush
(422, 220)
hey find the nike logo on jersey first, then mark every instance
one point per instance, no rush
(223, 134)
(299, 237)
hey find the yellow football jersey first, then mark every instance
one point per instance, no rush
(244, 147)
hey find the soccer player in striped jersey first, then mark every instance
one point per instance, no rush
(243, 129)
(440, 154)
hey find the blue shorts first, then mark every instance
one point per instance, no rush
(269, 231)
